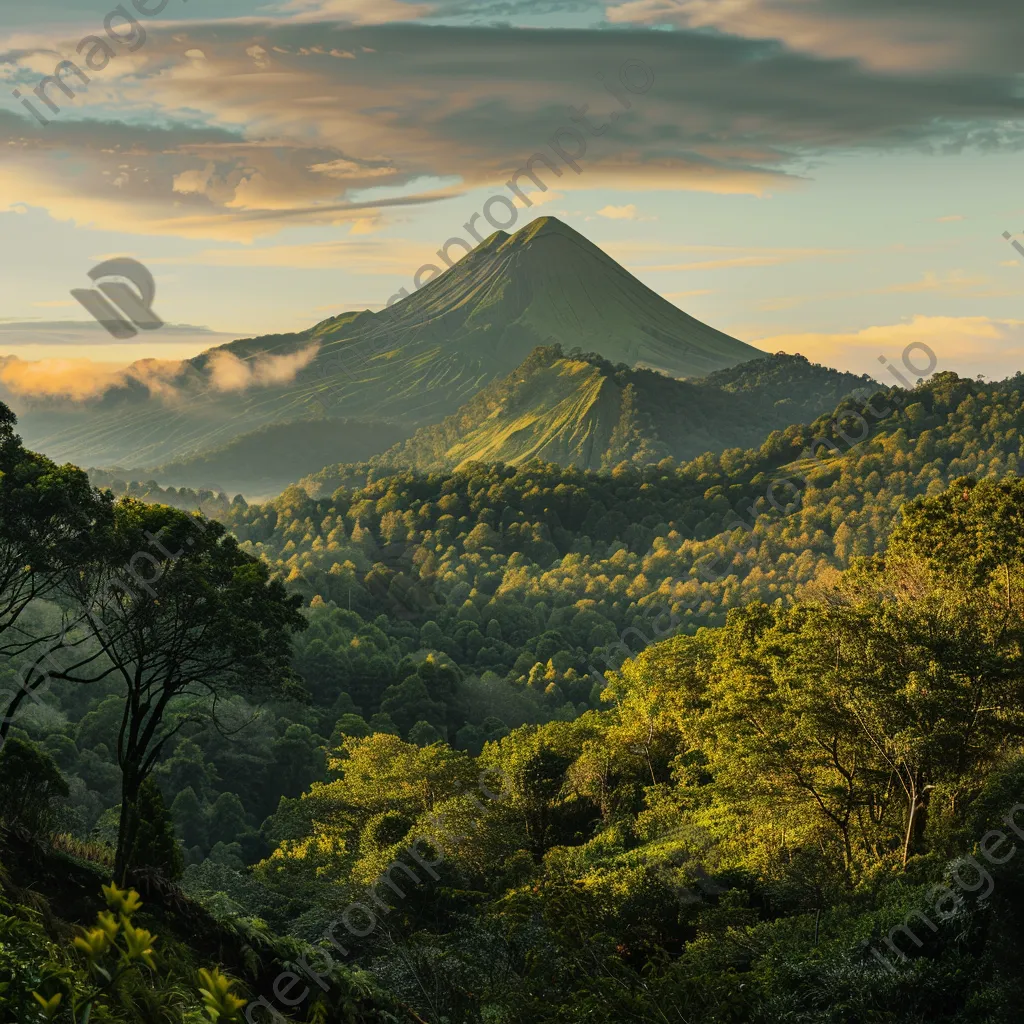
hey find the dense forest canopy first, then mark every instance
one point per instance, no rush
(737, 738)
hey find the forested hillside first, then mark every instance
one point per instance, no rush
(809, 814)
(789, 388)
(727, 827)
(533, 573)
(584, 412)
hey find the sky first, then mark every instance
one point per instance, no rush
(830, 177)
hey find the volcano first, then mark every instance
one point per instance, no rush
(412, 364)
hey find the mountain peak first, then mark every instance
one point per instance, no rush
(584, 411)
(543, 227)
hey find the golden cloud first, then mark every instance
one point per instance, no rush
(229, 373)
(965, 345)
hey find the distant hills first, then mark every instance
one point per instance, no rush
(583, 411)
(412, 364)
(265, 461)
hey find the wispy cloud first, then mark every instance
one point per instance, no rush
(229, 373)
(627, 212)
(538, 198)
(359, 12)
(893, 35)
(250, 137)
(964, 344)
(954, 284)
(78, 379)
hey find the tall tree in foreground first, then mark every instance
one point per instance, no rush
(49, 519)
(183, 617)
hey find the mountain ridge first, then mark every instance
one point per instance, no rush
(582, 411)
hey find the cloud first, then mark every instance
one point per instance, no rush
(80, 379)
(537, 198)
(345, 170)
(627, 212)
(252, 138)
(366, 225)
(360, 12)
(229, 373)
(891, 35)
(952, 217)
(967, 345)
(954, 284)
(181, 180)
(727, 257)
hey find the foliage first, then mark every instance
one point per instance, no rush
(755, 811)
(578, 775)
(41, 981)
(30, 782)
(155, 845)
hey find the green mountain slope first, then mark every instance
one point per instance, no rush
(266, 460)
(412, 364)
(582, 411)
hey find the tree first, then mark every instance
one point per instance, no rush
(423, 734)
(946, 644)
(30, 781)
(348, 725)
(189, 818)
(534, 762)
(227, 819)
(154, 844)
(50, 522)
(410, 702)
(206, 623)
(296, 760)
(49, 516)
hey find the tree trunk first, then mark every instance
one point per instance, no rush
(128, 825)
(917, 816)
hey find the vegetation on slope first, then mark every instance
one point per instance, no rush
(262, 463)
(582, 411)
(730, 825)
(812, 813)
